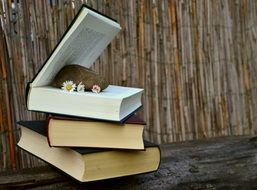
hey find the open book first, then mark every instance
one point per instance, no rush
(85, 39)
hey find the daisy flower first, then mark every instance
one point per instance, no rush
(68, 86)
(96, 89)
(80, 87)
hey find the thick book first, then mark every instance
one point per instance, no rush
(76, 132)
(85, 39)
(88, 164)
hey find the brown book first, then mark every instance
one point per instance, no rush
(88, 164)
(75, 132)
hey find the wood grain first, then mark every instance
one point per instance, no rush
(218, 163)
(196, 61)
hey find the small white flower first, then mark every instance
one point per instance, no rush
(96, 89)
(68, 86)
(80, 87)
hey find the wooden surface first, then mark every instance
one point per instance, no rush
(196, 60)
(219, 163)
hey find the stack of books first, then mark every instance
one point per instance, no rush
(89, 136)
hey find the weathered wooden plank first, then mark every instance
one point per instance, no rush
(196, 61)
(218, 163)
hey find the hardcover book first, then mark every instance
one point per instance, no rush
(75, 132)
(83, 42)
(88, 164)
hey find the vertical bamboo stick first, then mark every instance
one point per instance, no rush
(195, 59)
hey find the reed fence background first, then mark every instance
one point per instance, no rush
(196, 60)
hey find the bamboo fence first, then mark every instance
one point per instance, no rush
(196, 60)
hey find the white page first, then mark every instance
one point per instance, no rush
(82, 44)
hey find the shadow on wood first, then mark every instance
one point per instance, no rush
(219, 163)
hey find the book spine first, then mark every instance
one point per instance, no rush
(47, 129)
(27, 94)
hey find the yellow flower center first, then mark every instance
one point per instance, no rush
(68, 87)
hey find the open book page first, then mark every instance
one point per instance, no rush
(82, 44)
(119, 91)
(77, 49)
(112, 92)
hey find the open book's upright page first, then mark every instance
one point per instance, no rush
(85, 39)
